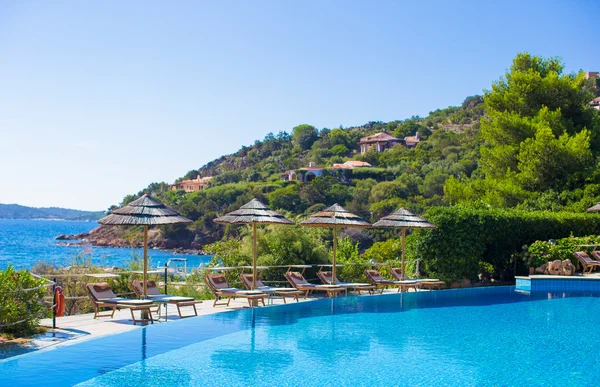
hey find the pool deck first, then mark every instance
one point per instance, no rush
(77, 328)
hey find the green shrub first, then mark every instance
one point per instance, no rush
(379, 174)
(465, 237)
(540, 252)
(21, 308)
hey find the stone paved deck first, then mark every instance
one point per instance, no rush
(84, 327)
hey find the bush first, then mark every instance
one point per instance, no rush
(540, 252)
(379, 174)
(27, 307)
(466, 237)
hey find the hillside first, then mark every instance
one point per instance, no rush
(15, 211)
(512, 148)
(413, 178)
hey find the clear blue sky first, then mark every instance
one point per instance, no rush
(100, 98)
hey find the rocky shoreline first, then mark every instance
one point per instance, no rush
(103, 236)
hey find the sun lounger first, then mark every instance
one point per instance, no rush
(377, 280)
(217, 283)
(282, 292)
(153, 293)
(298, 281)
(102, 296)
(596, 255)
(427, 283)
(588, 263)
(325, 277)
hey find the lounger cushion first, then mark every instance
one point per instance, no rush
(219, 279)
(101, 287)
(126, 301)
(173, 299)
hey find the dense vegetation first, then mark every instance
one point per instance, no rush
(20, 310)
(15, 211)
(531, 143)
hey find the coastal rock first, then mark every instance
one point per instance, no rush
(108, 236)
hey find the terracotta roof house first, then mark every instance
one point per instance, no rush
(193, 185)
(592, 75)
(351, 164)
(378, 142)
(412, 141)
(357, 164)
(595, 103)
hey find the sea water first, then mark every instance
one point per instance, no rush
(23, 243)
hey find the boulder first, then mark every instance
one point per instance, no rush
(542, 269)
(567, 267)
(555, 267)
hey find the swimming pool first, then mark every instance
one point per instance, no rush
(465, 337)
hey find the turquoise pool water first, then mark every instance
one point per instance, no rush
(470, 337)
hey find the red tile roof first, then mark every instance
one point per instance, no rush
(378, 137)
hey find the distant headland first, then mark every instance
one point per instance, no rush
(16, 211)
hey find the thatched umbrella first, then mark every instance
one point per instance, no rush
(335, 217)
(146, 212)
(594, 208)
(405, 220)
(253, 213)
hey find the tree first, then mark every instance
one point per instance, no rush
(534, 90)
(305, 135)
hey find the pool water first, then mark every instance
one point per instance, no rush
(466, 337)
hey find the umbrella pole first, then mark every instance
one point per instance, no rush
(145, 261)
(145, 277)
(403, 242)
(333, 271)
(254, 256)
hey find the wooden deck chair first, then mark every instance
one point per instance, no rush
(427, 283)
(102, 296)
(217, 283)
(153, 292)
(298, 281)
(588, 263)
(282, 292)
(377, 280)
(325, 277)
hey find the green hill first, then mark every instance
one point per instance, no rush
(530, 143)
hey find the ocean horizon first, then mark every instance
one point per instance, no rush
(26, 242)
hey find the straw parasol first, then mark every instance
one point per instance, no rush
(335, 217)
(403, 219)
(146, 212)
(253, 213)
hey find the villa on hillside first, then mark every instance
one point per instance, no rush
(378, 142)
(193, 185)
(307, 174)
(412, 141)
(592, 75)
(595, 103)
